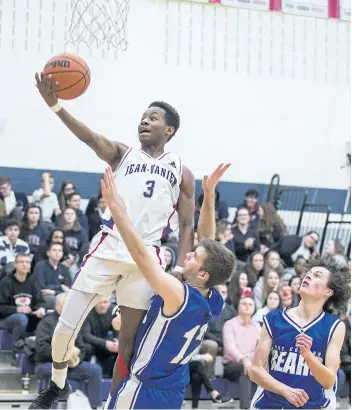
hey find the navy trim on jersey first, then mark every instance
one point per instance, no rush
(265, 321)
(180, 309)
(123, 158)
(159, 158)
(333, 328)
(297, 326)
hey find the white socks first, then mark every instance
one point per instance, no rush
(58, 376)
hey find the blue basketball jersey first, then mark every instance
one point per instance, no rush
(286, 364)
(165, 345)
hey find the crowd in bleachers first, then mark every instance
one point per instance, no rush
(43, 240)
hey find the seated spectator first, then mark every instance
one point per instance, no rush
(334, 248)
(66, 189)
(57, 236)
(78, 369)
(221, 209)
(254, 268)
(272, 261)
(286, 296)
(298, 268)
(241, 336)
(95, 216)
(198, 377)
(33, 231)
(270, 226)
(21, 301)
(168, 258)
(291, 246)
(294, 284)
(10, 198)
(97, 341)
(213, 342)
(52, 276)
(224, 234)
(10, 245)
(239, 287)
(46, 198)
(245, 238)
(270, 282)
(74, 201)
(272, 302)
(251, 203)
(75, 235)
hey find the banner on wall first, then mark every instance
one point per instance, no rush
(312, 8)
(250, 4)
(345, 10)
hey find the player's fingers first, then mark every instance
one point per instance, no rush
(37, 79)
(111, 176)
(205, 181)
(224, 169)
(305, 395)
(102, 185)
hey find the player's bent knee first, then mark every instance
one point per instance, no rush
(63, 340)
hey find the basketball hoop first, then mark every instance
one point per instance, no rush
(100, 22)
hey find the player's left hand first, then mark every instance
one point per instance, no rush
(209, 182)
(304, 343)
(109, 190)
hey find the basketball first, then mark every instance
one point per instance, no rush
(71, 75)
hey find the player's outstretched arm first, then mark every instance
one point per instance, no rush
(167, 286)
(206, 223)
(323, 374)
(260, 376)
(107, 150)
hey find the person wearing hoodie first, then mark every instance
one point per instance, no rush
(221, 208)
(73, 200)
(21, 301)
(251, 203)
(57, 235)
(33, 231)
(75, 235)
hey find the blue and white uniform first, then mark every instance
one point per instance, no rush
(164, 347)
(287, 365)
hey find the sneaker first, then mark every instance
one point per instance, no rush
(221, 400)
(47, 397)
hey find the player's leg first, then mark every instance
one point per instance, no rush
(130, 321)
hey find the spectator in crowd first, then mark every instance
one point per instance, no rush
(100, 338)
(33, 231)
(11, 245)
(286, 296)
(2, 209)
(239, 286)
(52, 276)
(46, 198)
(334, 247)
(78, 369)
(298, 268)
(272, 302)
(290, 247)
(272, 261)
(221, 208)
(66, 189)
(213, 342)
(241, 336)
(9, 197)
(168, 258)
(73, 201)
(294, 284)
(254, 268)
(224, 234)
(57, 236)
(245, 237)
(270, 226)
(251, 203)
(198, 378)
(270, 282)
(95, 216)
(75, 235)
(21, 301)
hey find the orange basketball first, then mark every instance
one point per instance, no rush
(71, 75)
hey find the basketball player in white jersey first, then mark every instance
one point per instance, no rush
(154, 185)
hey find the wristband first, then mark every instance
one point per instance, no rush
(56, 108)
(178, 269)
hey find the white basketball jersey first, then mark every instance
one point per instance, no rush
(150, 188)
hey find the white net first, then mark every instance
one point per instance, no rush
(99, 22)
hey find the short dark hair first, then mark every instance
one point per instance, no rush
(12, 222)
(252, 192)
(55, 243)
(70, 196)
(4, 180)
(21, 255)
(219, 262)
(339, 281)
(172, 117)
(310, 232)
(246, 297)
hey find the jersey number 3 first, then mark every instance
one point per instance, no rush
(148, 193)
(189, 337)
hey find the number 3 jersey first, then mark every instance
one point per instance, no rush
(150, 188)
(165, 345)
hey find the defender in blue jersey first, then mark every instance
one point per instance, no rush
(177, 319)
(301, 346)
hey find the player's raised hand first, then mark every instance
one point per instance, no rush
(109, 190)
(209, 182)
(297, 397)
(46, 88)
(304, 343)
